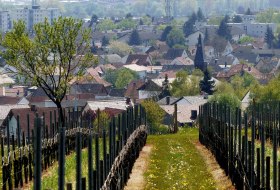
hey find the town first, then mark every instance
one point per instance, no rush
(87, 78)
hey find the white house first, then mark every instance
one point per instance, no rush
(139, 69)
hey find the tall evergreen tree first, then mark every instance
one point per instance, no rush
(188, 27)
(134, 38)
(165, 33)
(269, 37)
(93, 19)
(224, 30)
(206, 84)
(200, 16)
(199, 56)
(248, 12)
(93, 47)
(105, 41)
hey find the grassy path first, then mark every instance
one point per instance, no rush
(175, 163)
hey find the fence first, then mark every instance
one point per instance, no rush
(245, 144)
(24, 158)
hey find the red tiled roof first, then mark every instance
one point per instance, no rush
(132, 91)
(237, 69)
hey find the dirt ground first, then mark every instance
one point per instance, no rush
(222, 181)
(137, 180)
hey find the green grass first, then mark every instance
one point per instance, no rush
(50, 177)
(175, 163)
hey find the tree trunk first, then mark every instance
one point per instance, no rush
(61, 114)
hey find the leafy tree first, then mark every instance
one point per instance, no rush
(269, 37)
(128, 16)
(224, 87)
(245, 39)
(105, 25)
(134, 38)
(165, 33)
(147, 20)
(219, 45)
(200, 16)
(224, 30)
(127, 23)
(111, 76)
(93, 19)
(228, 99)
(197, 72)
(269, 92)
(174, 37)
(206, 84)
(154, 112)
(237, 19)
(120, 48)
(65, 41)
(185, 85)
(120, 78)
(105, 41)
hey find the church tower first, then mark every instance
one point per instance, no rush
(199, 56)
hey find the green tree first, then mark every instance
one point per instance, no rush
(127, 23)
(207, 84)
(93, 48)
(165, 33)
(224, 30)
(237, 19)
(94, 19)
(248, 12)
(134, 38)
(105, 25)
(105, 41)
(269, 37)
(52, 58)
(120, 48)
(246, 39)
(154, 112)
(227, 99)
(188, 27)
(269, 92)
(185, 85)
(175, 36)
(124, 77)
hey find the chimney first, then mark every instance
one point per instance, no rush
(167, 100)
(225, 64)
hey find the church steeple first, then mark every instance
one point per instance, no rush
(199, 56)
